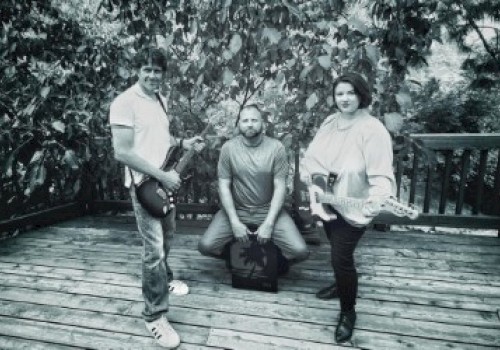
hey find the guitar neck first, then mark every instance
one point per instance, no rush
(340, 201)
(186, 158)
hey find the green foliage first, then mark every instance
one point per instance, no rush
(479, 19)
(60, 74)
(53, 84)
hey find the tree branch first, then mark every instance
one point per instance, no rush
(487, 47)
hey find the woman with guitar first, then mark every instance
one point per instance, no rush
(350, 157)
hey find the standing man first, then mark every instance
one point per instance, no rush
(140, 129)
(252, 171)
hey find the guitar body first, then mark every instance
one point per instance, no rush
(153, 197)
(150, 192)
(321, 197)
(321, 184)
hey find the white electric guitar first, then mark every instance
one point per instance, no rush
(321, 199)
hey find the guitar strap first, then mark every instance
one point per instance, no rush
(166, 114)
(173, 126)
(161, 103)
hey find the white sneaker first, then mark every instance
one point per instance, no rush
(177, 287)
(163, 333)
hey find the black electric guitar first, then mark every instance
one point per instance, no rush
(157, 200)
(321, 198)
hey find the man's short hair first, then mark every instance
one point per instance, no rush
(246, 107)
(152, 56)
(361, 87)
(252, 106)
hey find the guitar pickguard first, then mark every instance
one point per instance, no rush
(319, 210)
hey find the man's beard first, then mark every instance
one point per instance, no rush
(251, 133)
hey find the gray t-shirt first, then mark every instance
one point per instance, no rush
(252, 171)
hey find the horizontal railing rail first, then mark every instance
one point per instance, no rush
(452, 179)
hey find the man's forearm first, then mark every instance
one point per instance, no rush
(135, 162)
(277, 200)
(226, 198)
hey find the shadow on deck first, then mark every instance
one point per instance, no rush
(77, 285)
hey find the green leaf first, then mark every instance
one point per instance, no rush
(59, 126)
(312, 100)
(373, 54)
(329, 101)
(41, 175)
(325, 61)
(291, 62)
(235, 43)
(403, 99)
(164, 42)
(227, 55)
(184, 68)
(45, 91)
(271, 34)
(358, 25)
(227, 77)
(123, 73)
(70, 159)
(37, 156)
(10, 71)
(393, 121)
(305, 72)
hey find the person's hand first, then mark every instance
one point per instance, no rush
(372, 206)
(195, 143)
(305, 177)
(171, 180)
(264, 232)
(239, 231)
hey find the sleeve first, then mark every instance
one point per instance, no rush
(378, 155)
(120, 113)
(224, 170)
(280, 166)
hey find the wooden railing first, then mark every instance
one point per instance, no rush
(453, 179)
(444, 174)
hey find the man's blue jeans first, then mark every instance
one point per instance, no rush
(156, 273)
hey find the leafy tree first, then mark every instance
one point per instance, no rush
(54, 79)
(463, 18)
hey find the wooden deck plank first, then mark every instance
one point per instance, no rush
(317, 312)
(428, 240)
(286, 284)
(251, 341)
(488, 260)
(456, 287)
(11, 343)
(41, 264)
(486, 254)
(417, 290)
(120, 326)
(436, 289)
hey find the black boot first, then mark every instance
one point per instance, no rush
(344, 329)
(328, 293)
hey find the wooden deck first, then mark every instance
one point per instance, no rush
(77, 285)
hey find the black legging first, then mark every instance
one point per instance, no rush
(343, 240)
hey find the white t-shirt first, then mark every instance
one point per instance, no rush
(360, 153)
(151, 125)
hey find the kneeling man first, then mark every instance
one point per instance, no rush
(252, 173)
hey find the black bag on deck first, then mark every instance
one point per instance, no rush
(254, 265)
